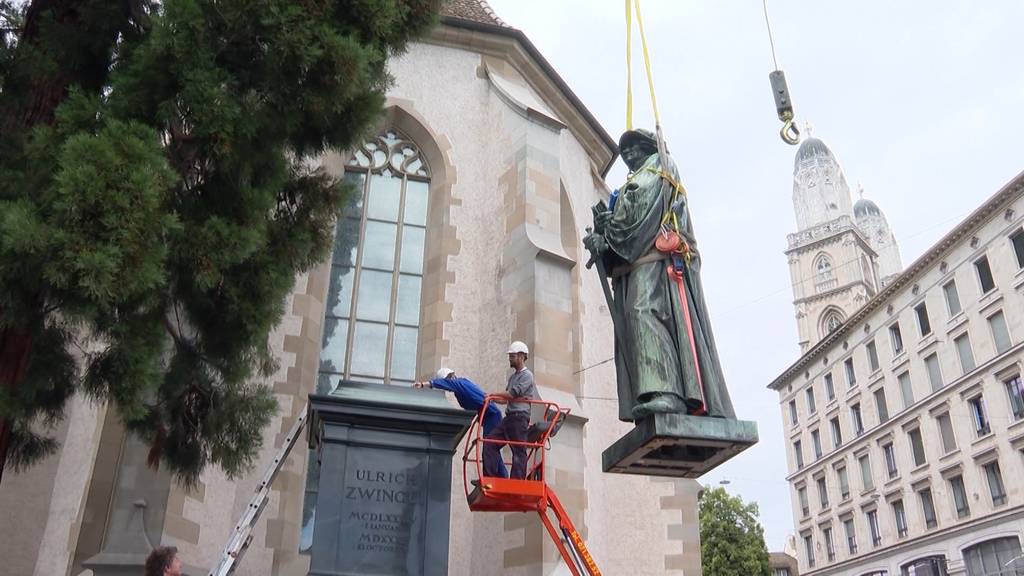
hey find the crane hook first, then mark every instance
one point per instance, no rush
(790, 133)
(784, 107)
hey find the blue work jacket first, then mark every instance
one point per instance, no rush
(471, 397)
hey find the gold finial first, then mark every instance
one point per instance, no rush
(860, 190)
(808, 128)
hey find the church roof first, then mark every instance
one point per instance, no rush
(865, 207)
(472, 10)
(810, 148)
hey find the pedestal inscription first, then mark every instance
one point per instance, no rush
(382, 511)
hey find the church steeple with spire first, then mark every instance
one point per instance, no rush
(820, 191)
(842, 254)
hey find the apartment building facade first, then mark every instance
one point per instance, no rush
(905, 422)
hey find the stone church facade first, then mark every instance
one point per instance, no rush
(474, 188)
(843, 253)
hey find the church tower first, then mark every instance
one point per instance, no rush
(833, 265)
(875, 228)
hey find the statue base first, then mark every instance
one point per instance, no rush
(678, 445)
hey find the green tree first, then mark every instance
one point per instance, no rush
(731, 537)
(156, 203)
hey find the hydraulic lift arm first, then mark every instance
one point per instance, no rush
(568, 541)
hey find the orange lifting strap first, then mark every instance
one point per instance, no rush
(491, 494)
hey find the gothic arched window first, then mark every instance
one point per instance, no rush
(373, 305)
(371, 324)
(831, 320)
(824, 276)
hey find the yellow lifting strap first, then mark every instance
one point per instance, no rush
(630, 4)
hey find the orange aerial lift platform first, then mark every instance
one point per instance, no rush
(531, 494)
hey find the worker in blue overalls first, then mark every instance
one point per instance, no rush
(469, 396)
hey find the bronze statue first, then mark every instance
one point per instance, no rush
(665, 356)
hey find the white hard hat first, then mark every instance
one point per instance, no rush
(518, 347)
(444, 373)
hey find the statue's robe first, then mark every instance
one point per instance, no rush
(654, 353)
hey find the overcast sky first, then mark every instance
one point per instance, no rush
(921, 101)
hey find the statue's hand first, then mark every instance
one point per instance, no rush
(601, 220)
(596, 244)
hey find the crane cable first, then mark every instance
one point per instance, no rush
(789, 133)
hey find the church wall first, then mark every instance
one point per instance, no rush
(42, 505)
(510, 195)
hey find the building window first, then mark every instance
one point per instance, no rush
(964, 351)
(811, 407)
(830, 547)
(896, 337)
(1017, 239)
(876, 534)
(984, 275)
(979, 415)
(931, 363)
(865, 472)
(917, 447)
(872, 356)
(816, 443)
(809, 549)
(825, 278)
(946, 432)
(799, 453)
(851, 376)
(900, 515)
(781, 572)
(956, 484)
(822, 493)
(927, 566)
(1000, 334)
(830, 388)
(994, 557)
(373, 314)
(1015, 390)
(858, 422)
(995, 483)
(831, 320)
(805, 508)
(851, 535)
(880, 405)
(844, 483)
(906, 389)
(923, 324)
(952, 298)
(890, 460)
(837, 430)
(928, 508)
(792, 412)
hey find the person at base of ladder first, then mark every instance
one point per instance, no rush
(469, 396)
(517, 416)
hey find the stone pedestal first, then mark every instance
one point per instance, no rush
(678, 445)
(385, 480)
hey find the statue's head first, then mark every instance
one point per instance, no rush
(635, 146)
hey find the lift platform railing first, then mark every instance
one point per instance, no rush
(532, 493)
(537, 442)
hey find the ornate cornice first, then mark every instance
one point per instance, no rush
(1008, 193)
